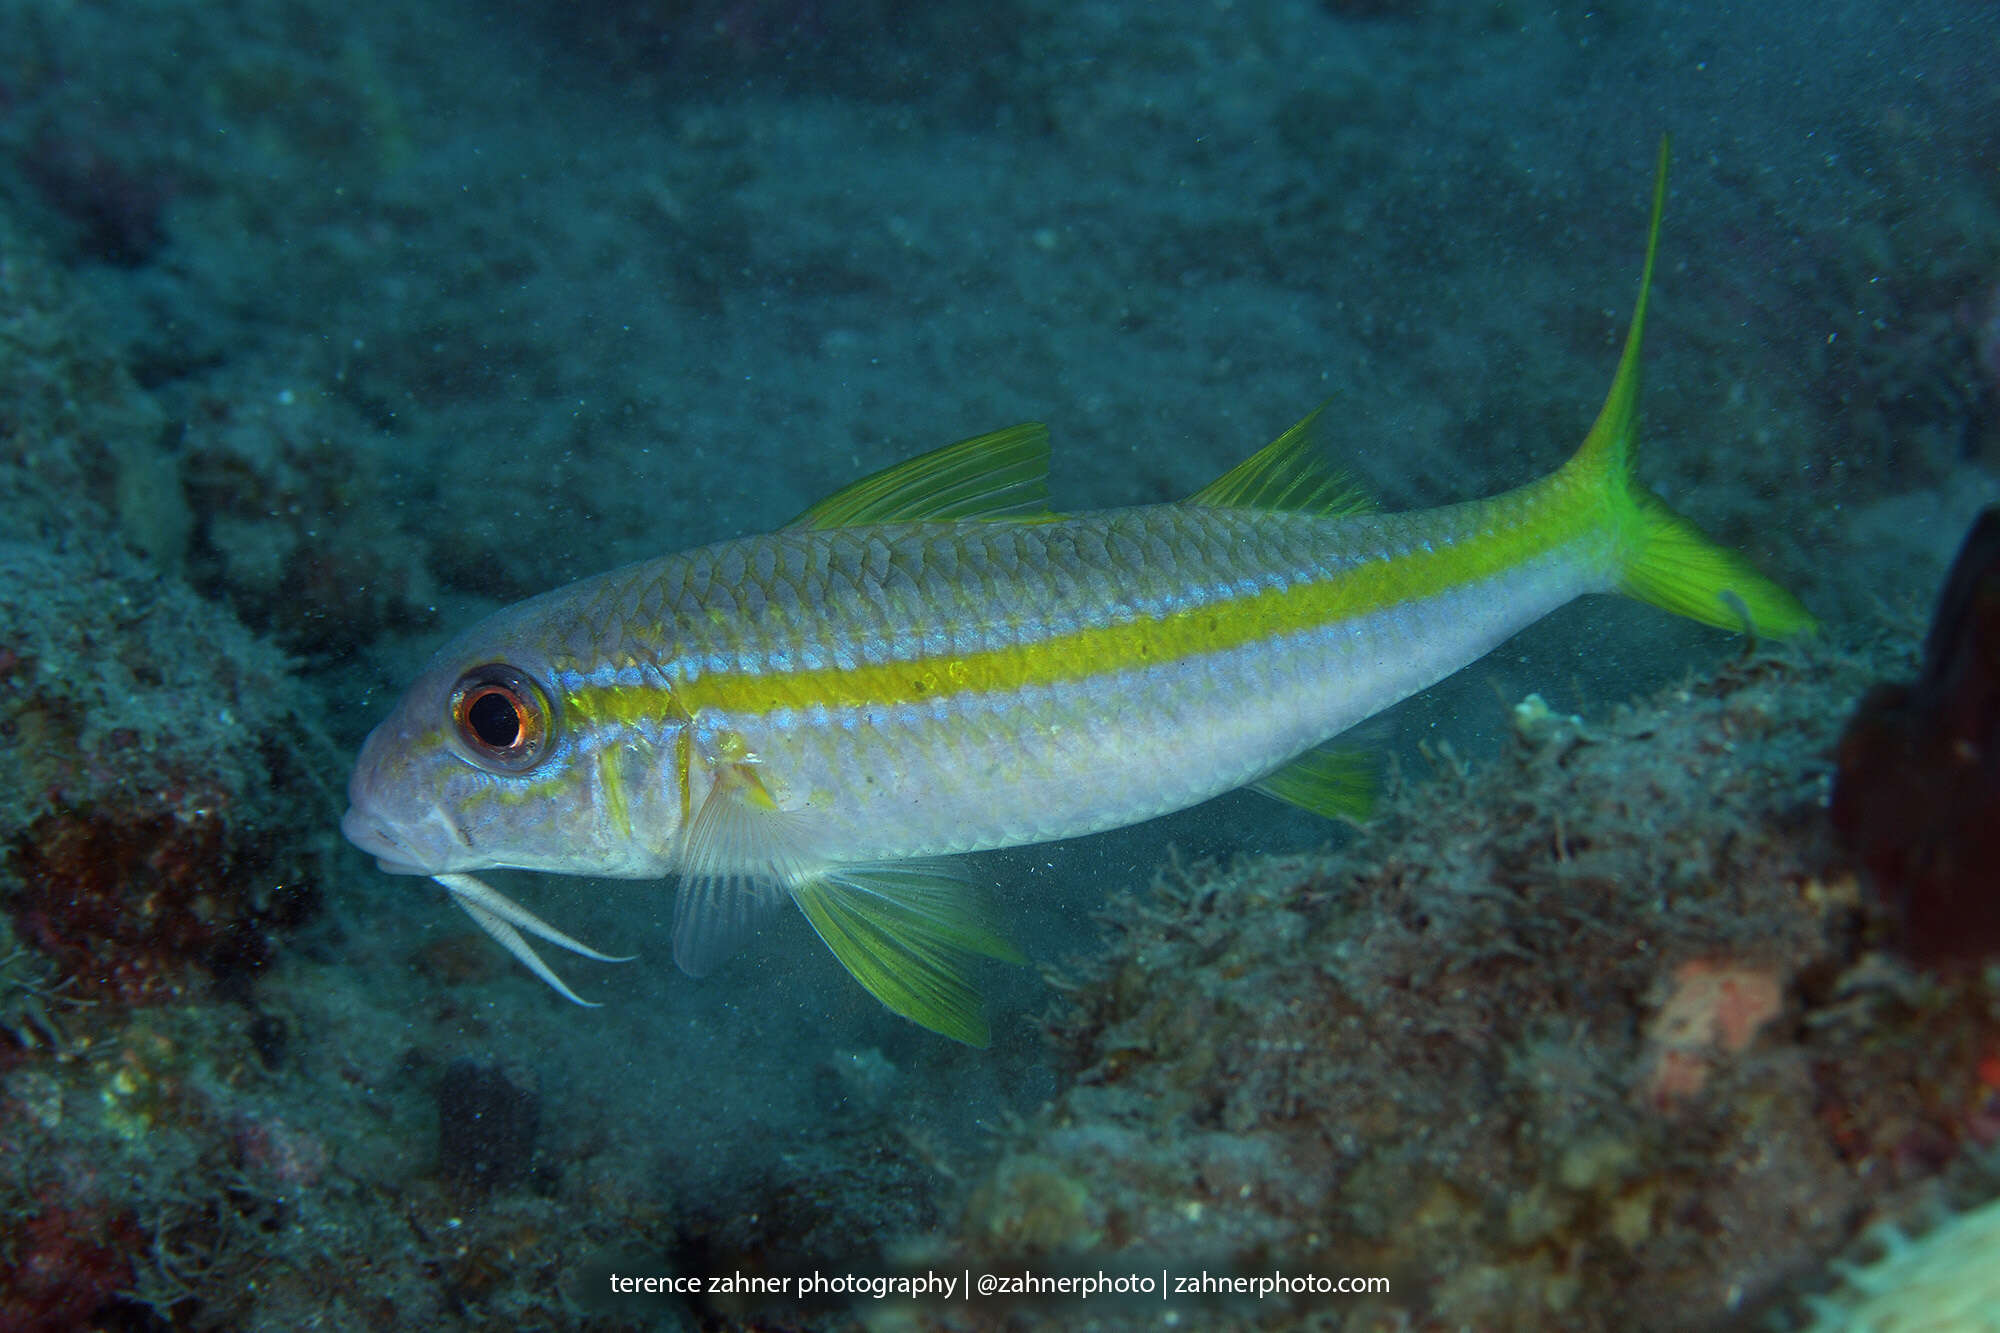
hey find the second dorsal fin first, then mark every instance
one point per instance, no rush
(1291, 473)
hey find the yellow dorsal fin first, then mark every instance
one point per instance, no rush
(1292, 473)
(1334, 781)
(1004, 474)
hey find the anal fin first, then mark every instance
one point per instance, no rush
(1335, 781)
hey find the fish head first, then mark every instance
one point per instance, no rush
(487, 762)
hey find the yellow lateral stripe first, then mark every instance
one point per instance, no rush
(1516, 528)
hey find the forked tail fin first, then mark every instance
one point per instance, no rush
(1662, 557)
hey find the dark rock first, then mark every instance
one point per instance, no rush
(1917, 797)
(486, 1125)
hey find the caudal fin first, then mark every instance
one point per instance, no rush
(1674, 565)
(1662, 557)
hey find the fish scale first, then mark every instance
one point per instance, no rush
(821, 665)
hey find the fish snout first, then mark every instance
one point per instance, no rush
(368, 832)
(389, 816)
(406, 833)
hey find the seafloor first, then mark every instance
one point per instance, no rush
(326, 328)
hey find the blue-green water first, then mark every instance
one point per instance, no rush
(349, 323)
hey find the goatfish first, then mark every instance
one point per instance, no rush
(930, 662)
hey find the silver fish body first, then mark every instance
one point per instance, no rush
(928, 662)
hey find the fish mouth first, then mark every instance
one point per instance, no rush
(372, 836)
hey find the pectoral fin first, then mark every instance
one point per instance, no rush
(907, 930)
(741, 851)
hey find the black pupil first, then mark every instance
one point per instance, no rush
(493, 719)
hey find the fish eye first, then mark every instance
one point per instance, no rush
(502, 718)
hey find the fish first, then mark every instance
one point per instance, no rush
(931, 662)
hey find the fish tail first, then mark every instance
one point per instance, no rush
(1659, 556)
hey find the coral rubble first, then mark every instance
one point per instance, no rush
(1543, 1047)
(157, 762)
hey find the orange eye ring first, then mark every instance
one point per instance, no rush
(501, 717)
